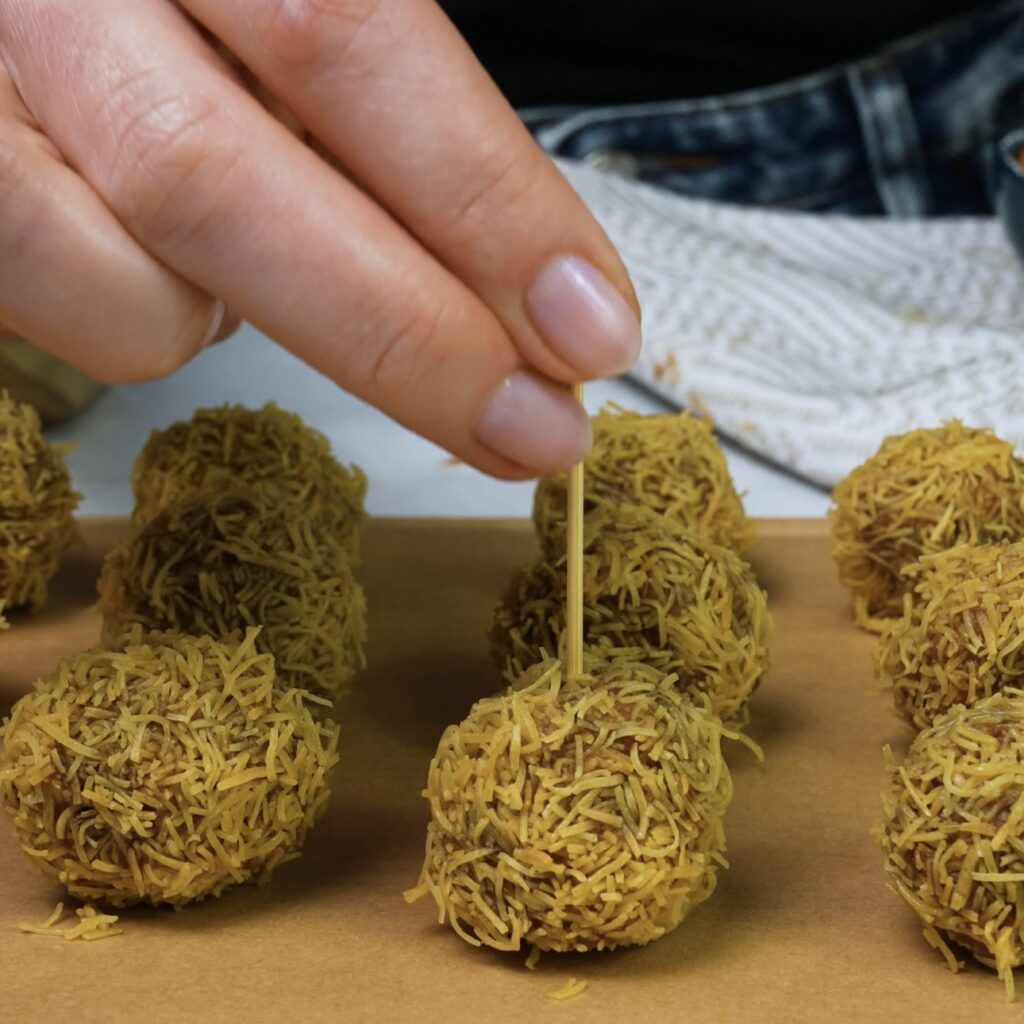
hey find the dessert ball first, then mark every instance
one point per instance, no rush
(920, 493)
(654, 592)
(961, 635)
(953, 831)
(165, 771)
(37, 504)
(671, 464)
(268, 449)
(225, 561)
(576, 815)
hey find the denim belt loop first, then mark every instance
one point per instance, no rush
(889, 129)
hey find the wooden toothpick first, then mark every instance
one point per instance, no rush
(574, 566)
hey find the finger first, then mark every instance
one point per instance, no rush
(393, 90)
(273, 105)
(72, 280)
(270, 102)
(223, 194)
(229, 325)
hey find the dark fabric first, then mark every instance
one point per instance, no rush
(544, 52)
(910, 131)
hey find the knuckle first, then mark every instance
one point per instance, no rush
(10, 166)
(167, 145)
(20, 199)
(308, 35)
(500, 185)
(404, 354)
(33, 231)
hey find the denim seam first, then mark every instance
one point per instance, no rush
(890, 139)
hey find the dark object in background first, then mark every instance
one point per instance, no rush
(55, 390)
(595, 52)
(1009, 187)
(906, 127)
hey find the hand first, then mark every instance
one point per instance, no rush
(341, 173)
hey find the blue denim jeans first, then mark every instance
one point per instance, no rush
(909, 132)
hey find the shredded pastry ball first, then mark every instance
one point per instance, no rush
(920, 493)
(671, 464)
(576, 815)
(268, 449)
(224, 561)
(653, 592)
(164, 772)
(953, 831)
(961, 637)
(36, 507)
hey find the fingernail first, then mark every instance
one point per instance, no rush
(583, 317)
(535, 423)
(217, 315)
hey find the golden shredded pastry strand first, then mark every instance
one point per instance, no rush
(90, 926)
(570, 990)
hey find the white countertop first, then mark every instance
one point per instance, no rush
(408, 476)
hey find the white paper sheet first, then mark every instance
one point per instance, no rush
(809, 338)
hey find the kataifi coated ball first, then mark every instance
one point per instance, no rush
(669, 463)
(654, 592)
(268, 449)
(920, 493)
(576, 815)
(953, 832)
(165, 771)
(225, 561)
(37, 504)
(961, 635)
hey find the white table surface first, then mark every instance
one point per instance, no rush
(408, 476)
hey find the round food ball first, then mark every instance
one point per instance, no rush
(654, 592)
(961, 636)
(268, 449)
(953, 831)
(921, 492)
(36, 507)
(224, 561)
(671, 464)
(164, 772)
(576, 815)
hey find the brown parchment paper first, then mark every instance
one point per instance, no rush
(800, 929)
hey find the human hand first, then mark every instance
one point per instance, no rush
(341, 173)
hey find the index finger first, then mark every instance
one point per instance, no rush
(392, 89)
(225, 196)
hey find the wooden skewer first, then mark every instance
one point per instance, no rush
(574, 566)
